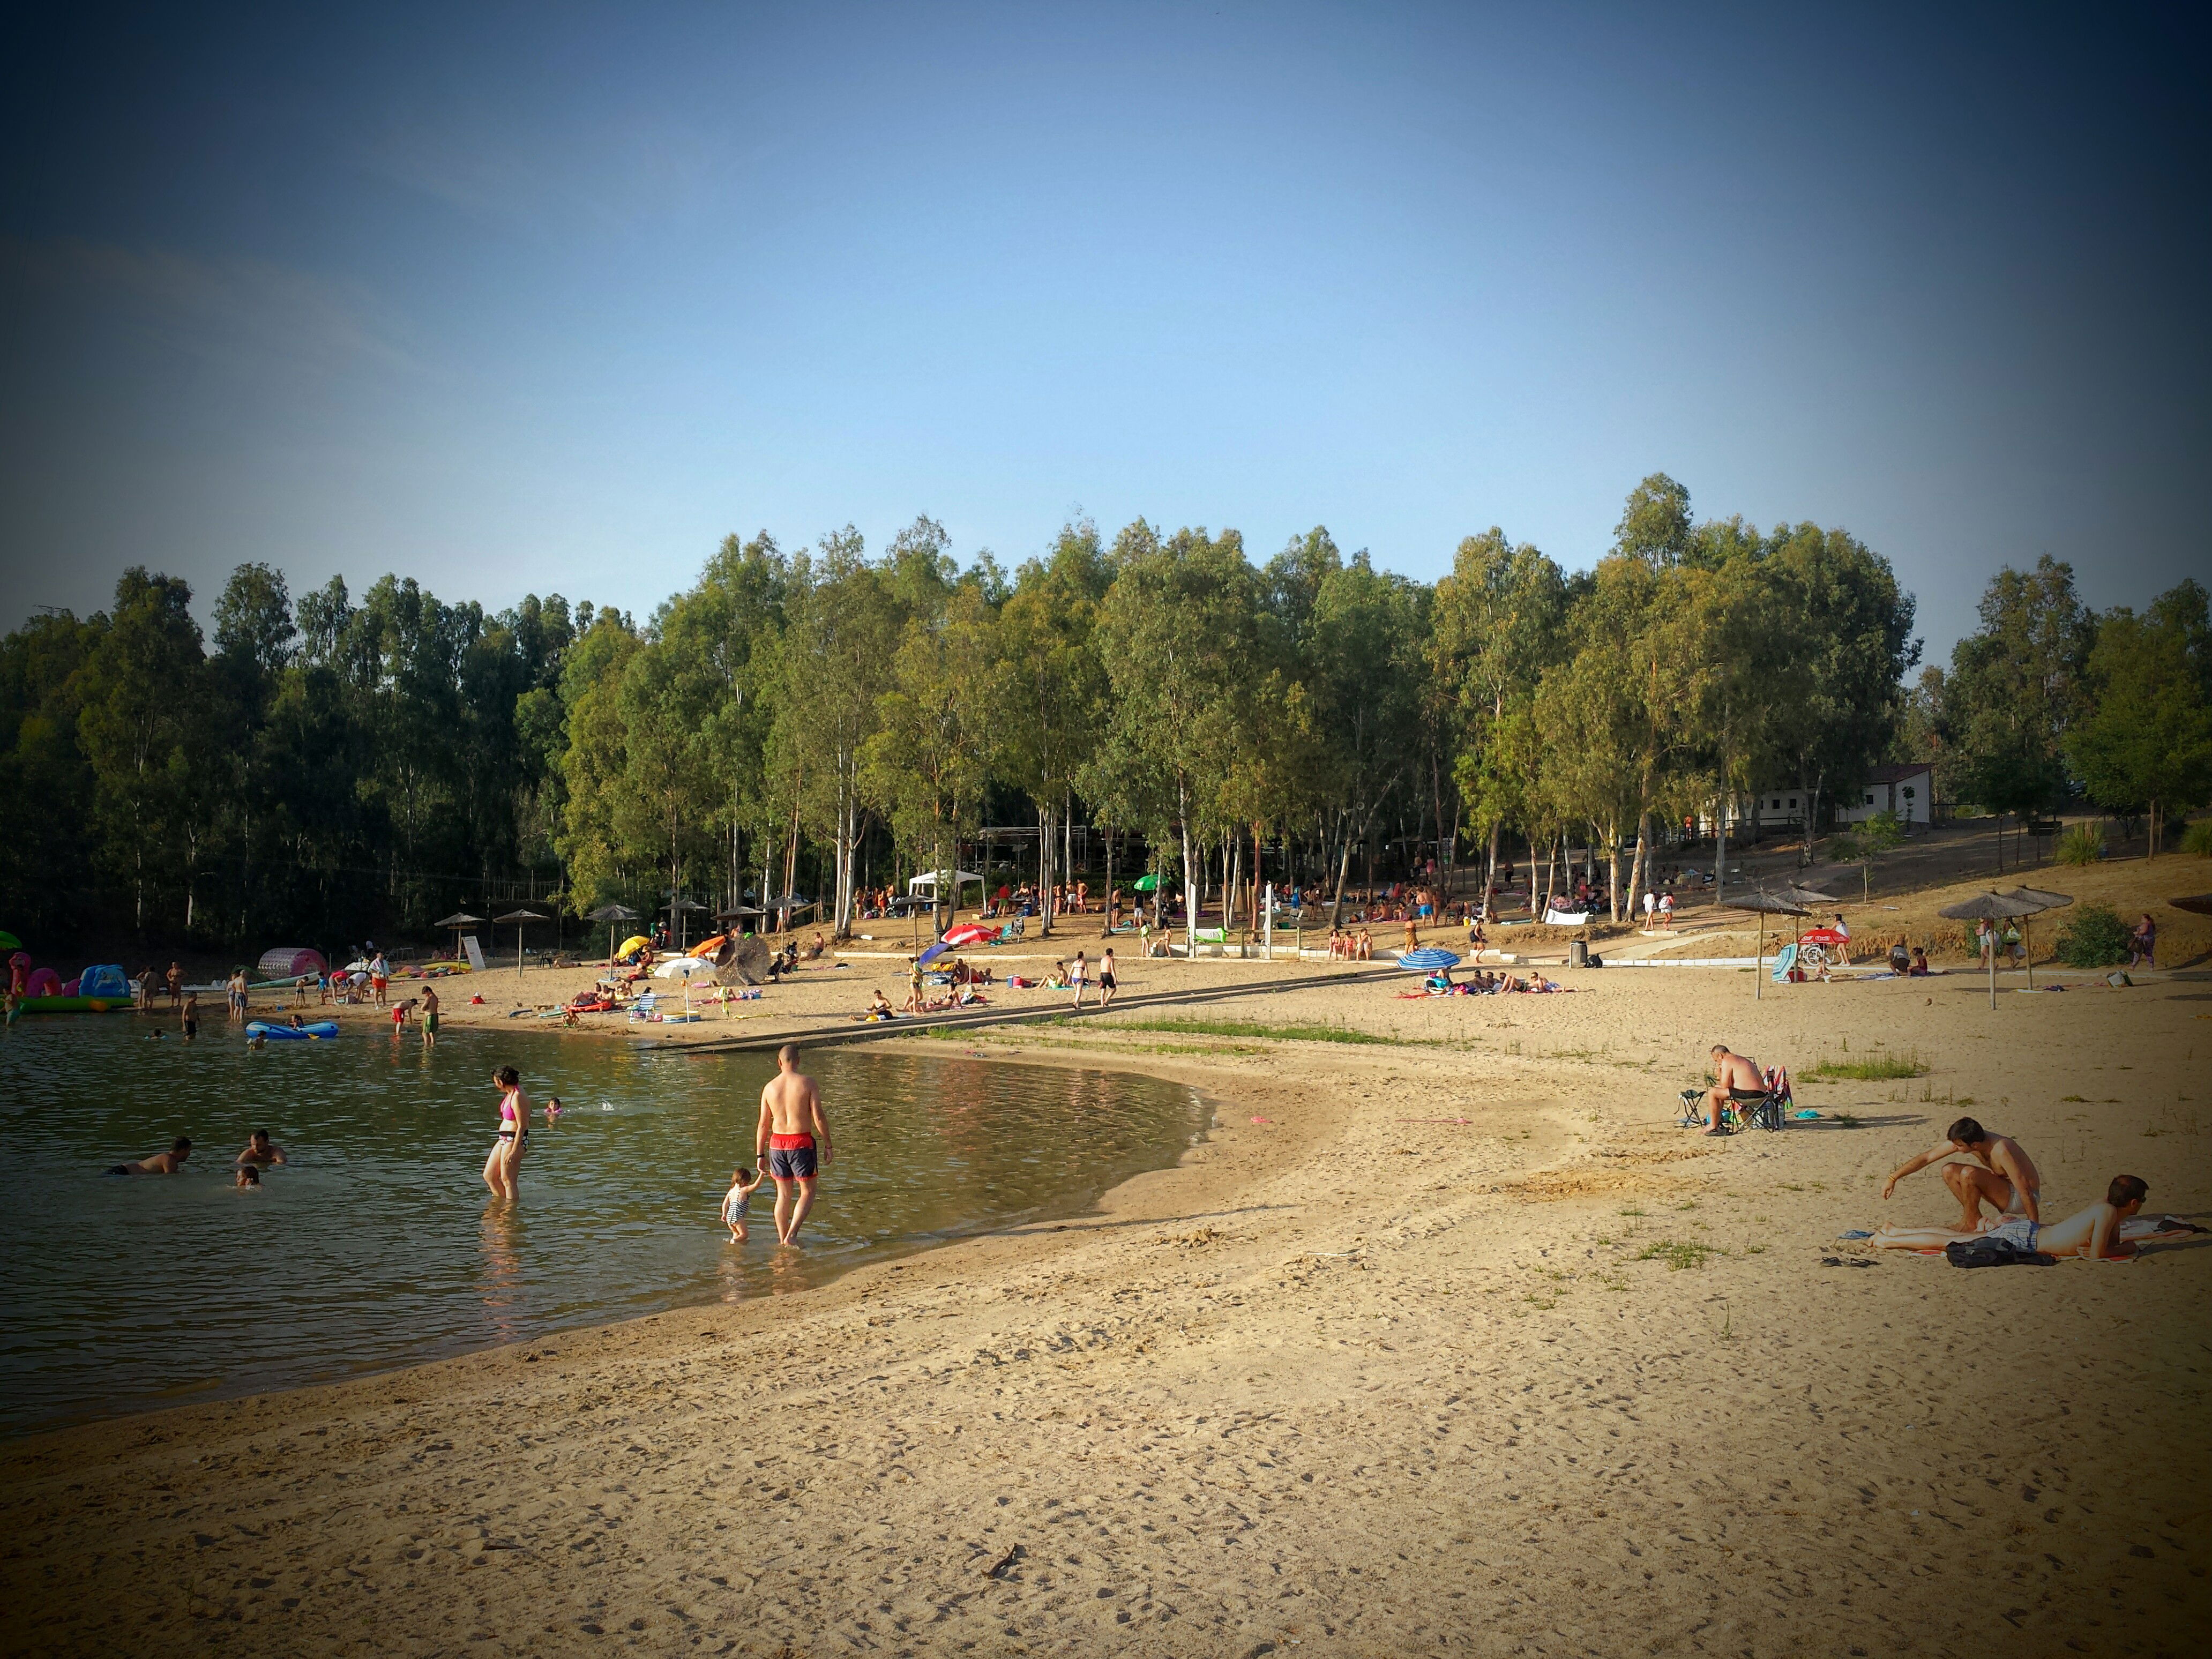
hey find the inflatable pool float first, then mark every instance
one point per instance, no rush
(290, 962)
(318, 1030)
(59, 1005)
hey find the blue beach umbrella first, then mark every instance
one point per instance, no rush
(932, 953)
(1427, 959)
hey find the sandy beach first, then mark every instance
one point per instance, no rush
(1450, 1341)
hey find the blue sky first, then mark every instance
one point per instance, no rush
(538, 299)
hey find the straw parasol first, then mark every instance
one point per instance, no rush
(456, 921)
(2042, 901)
(610, 914)
(681, 907)
(1765, 904)
(519, 920)
(1991, 907)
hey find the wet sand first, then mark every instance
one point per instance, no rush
(1356, 1375)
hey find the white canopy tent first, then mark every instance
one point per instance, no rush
(925, 885)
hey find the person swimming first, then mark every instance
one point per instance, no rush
(168, 1163)
(248, 1179)
(260, 1149)
(552, 1107)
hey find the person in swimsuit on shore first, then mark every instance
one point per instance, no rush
(1737, 1081)
(2094, 1232)
(742, 1184)
(429, 1017)
(2003, 1175)
(505, 1163)
(260, 1149)
(792, 1142)
(166, 1163)
(1107, 986)
(1078, 976)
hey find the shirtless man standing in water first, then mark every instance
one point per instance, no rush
(792, 1138)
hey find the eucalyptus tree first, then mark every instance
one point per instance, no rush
(729, 628)
(1499, 616)
(2016, 686)
(1364, 657)
(1848, 628)
(1178, 629)
(1051, 681)
(2146, 742)
(137, 690)
(930, 757)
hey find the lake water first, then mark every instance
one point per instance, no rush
(376, 1246)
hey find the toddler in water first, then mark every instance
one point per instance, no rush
(248, 1179)
(742, 1184)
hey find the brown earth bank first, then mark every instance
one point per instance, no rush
(1449, 1341)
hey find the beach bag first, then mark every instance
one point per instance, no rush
(1994, 1253)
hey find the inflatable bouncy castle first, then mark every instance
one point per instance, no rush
(290, 962)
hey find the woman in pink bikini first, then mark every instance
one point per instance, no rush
(505, 1163)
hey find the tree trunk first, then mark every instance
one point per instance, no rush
(1612, 868)
(1720, 851)
(1106, 917)
(1343, 871)
(1490, 870)
(1044, 868)
(1189, 896)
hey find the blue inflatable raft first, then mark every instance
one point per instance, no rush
(319, 1029)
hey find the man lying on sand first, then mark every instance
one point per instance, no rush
(2093, 1234)
(2002, 1174)
(1737, 1081)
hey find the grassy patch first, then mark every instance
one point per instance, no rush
(1879, 1069)
(1247, 1027)
(1677, 1256)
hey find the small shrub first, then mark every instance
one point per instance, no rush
(2083, 844)
(2198, 838)
(2094, 937)
(1677, 1256)
(1880, 1069)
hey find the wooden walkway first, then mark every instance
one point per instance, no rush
(830, 1035)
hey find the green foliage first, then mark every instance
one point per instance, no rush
(1677, 1255)
(2015, 688)
(333, 764)
(2094, 937)
(2145, 737)
(1871, 840)
(2083, 844)
(1880, 1069)
(2197, 839)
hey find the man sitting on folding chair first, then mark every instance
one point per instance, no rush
(1738, 1083)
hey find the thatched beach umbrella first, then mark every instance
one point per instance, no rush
(610, 914)
(1765, 904)
(456, 921)
(519, 920)
(1991, 907)
(2042, 901)
(682, 907)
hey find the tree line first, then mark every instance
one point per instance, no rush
(824, 720)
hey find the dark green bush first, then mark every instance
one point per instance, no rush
(2094, 937)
